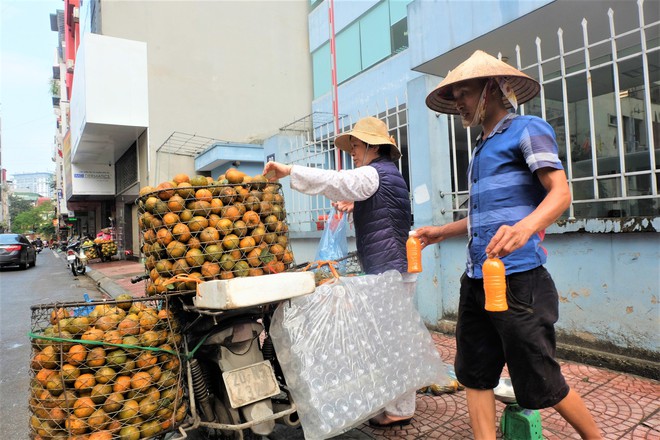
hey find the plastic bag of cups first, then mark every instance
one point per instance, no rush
(352, 347)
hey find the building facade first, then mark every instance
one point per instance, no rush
(158, 89)
(39, 183)
(599, 67)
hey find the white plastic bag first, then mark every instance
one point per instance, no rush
(350, 348)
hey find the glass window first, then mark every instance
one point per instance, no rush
(398, 10)
(375, 36)
(322, 71)
(348, 52)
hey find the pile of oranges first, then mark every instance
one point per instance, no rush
(114, 373)
(206, 229)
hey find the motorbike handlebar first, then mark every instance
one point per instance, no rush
(139, 278)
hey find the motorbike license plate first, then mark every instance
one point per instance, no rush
(250, 384)
(70, 257)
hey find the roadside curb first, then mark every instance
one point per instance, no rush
(107, 286)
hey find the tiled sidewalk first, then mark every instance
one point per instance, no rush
(624, 406)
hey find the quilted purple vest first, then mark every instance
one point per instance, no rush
(382, 222)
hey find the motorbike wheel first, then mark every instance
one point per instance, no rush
(74, 271)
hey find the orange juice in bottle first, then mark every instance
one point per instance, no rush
(494, 285)
(414, 253)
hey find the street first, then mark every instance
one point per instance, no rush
(48, 282)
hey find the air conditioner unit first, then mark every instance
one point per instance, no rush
(70, 64)
(76, 15)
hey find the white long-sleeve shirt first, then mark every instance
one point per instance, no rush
(349, 185)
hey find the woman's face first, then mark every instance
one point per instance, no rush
(466, 96)
(361, 154)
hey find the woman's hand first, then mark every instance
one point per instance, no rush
(343, 206)
(276, 170)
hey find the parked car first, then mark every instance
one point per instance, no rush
(16, 249)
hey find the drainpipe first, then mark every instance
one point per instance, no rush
(333, 62)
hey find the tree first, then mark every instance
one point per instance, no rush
(18, 205)
(36, 219)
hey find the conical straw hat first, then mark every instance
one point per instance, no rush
(481, 65)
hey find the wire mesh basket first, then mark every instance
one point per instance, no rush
(105, 370)
(212, 231)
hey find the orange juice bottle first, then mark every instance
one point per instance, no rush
(494, 285)
(414, 253)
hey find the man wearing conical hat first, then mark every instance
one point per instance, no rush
(517, 188)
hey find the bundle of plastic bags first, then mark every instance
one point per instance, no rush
(350, 348)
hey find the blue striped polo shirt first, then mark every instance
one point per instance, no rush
(504, 189)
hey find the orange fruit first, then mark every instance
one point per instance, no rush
(113, 403)
(141, 381)
(204, 195)
(195, 257)
(85, 382)
(129, 326)
(75, 425)
(105, 375)
(216, 206)
(122, 384)
(176, 203)
(231, 212)
(112, 337)
(251, 219)
(83, 407)
(129, 433)
(231, 241)
(198, 223)
(181, 232)
(98, 420)
(247, 244)
(210, 270)
(129, 411)
(70, 372)
(146, 190)
(209, 235)
(255, 272)
(277, 250)
(176, 249)
(165, 190)
(185, 190)
(164, 236)
(170, 219)
(100, 435)
(179, 178)
(95, 358)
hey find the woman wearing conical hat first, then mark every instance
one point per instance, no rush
(377, 195)
(517, 188)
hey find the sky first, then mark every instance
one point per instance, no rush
(27, 54)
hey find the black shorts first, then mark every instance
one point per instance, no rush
(523, 337)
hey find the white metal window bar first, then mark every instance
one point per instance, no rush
(582, 70)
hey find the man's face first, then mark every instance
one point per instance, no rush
(466, 96)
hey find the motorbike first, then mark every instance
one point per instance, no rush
(236, 386)
(76, 258)
(38, 247)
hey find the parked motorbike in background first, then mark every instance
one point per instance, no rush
(76, 258)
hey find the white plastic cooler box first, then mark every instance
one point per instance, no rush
(252, 291)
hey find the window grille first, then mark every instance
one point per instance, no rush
(603, 101)
(314, 147)
(126, 170)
